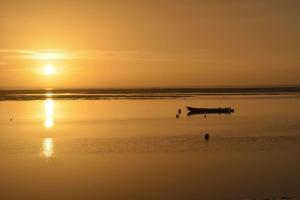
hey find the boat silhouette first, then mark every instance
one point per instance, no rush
(193, 110)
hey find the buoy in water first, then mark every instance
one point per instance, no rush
(206, 136)
(204, 116)
(177, 116)
(179, 111)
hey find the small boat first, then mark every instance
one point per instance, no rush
(192, 110)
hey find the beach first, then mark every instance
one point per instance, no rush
(149, 100)
(138, 149)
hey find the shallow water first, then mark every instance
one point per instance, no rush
(137, 149)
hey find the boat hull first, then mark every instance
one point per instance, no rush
(193, 110)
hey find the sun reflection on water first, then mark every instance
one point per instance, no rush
(49, 122)
(48, 148)
(49, 94)
(49, 109)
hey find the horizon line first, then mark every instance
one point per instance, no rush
(155, 87)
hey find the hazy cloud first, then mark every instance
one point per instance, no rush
(99, 55)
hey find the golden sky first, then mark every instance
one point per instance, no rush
(139, 43)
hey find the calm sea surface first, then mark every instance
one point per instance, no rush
(130, 145)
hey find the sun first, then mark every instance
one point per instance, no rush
(48, 70)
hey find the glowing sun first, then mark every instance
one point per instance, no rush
(48, 70)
